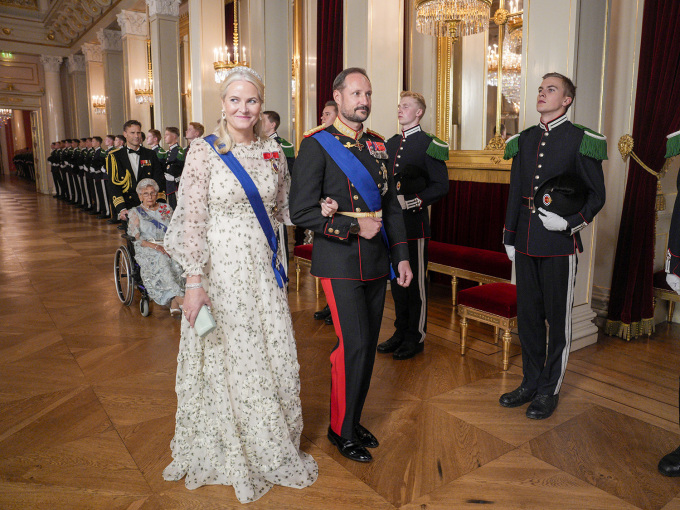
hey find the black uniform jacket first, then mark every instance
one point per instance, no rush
(409, 148)
(546, 151)
(337, 253)
(122, 177)
(673, 254)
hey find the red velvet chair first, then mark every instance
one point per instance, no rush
(302, 254)
(664, 292)
(482, 266)
(494, 304)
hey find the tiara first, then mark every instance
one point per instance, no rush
(243, 69)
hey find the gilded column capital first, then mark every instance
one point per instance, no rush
(92, 52)
(165, 7)
(132, 23)
(76, 64)
(51, 63)
(111, 40)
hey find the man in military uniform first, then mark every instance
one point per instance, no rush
(329, 113)
(544, 244)
(153, 139)
(347, 164)
(669, 465)
(195, 130)
(127, 166)
(173, 164)
(53, 160)
(72, 159)
(418, 162)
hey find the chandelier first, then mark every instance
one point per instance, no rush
(99, 105)
(144, 88)
(452, 18)
(5, 115)
(512, 72)
(223, 57)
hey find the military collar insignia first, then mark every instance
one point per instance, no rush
(553, 123)
(274, 135)
(172, 146)
(412, 130)
(346, 130)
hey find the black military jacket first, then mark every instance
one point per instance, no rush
(673, 253)
(546, 151)
(337, 253)
(410, 148)
(122, 177)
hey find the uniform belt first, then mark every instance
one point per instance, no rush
(528, 202)
(370, 214)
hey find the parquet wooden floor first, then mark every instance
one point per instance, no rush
(87, 399)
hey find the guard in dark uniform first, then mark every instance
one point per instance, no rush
(544, 244)
(153, 139)
(351, 252)
(72, 157)
(53, 161)
(669, 465)
(418, 162)
(173, 163)
(127, 166)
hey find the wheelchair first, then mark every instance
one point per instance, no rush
(127, 274)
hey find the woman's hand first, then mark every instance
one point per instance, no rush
(328, 207)
(194, 299)
(156, 247)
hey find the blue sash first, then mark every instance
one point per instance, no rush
(256, 203)
(358, 175)
(155, 223)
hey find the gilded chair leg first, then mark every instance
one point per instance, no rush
(316, 282)
(454, 290)
(463, 334)
(297, 274)
(507, 338)
(671, 309)
(496, 332)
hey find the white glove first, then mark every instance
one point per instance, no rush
(510, 250)
(169, 177)
(414, 203)
(552, 221)
(673, 282)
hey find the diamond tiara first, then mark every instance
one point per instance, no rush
(244, 69)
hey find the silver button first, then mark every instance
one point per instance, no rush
(537, 177)
(398, 156)
(535, 187)
(542, 143)
(533, 211)
(540, 155)
(396, 164)
(546, 134)
(401, 148)
(540, 166)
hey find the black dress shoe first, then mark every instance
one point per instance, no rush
(329, 320)
(517, 397)
(113, 221)
(121, 227)
(390, 345)
(542, 407)
(669, 465)
(322, 314)
(407, 350)
(367, 439)
(103, 217)
(349, 449)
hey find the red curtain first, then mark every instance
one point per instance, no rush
(631, 308)
(328, 49)
(472, 214)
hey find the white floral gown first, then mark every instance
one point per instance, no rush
(239, 417)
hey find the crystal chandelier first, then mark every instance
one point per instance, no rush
(5, 115)
(223, 57)
(144, 88)
(452, 18)
(99, 105)
(512, 72)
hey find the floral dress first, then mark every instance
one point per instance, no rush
(239, 417)
(162, 276)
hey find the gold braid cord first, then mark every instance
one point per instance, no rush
(115, 178)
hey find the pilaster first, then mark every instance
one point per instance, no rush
(112, 60)
(135, 34)
(78, 93)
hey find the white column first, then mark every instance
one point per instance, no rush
(423, 72)
(373, 39)
(18, 130)
(206, 32)
(164, 21)
(94, 74)
(3, 149)
(112, 59)
(54, 112)
(134, 32)
(76, 68)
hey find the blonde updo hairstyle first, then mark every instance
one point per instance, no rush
(224, 141)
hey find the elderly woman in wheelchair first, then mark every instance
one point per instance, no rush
(147, 224)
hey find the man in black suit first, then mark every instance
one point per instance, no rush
(351, 251)
(544, 244)
(418, 162)
(128, 165)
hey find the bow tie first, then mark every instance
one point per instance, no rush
(132, 151)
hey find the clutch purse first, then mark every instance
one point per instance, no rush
(204, 322)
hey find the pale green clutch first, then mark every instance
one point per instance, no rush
(204, 322)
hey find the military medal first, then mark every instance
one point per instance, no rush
(273, 158)
(377, 149)
(357, 145)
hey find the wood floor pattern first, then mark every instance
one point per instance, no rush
(87, 399)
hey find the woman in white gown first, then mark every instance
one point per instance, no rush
(239, 417)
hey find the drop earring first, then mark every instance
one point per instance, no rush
(224, 114)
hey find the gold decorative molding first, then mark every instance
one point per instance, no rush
(479, 166)
(298, 29)
(444, 88)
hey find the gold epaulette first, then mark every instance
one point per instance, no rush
(114, 150)
(309, 133)
(375, 133)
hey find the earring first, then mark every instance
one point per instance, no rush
(224, 114)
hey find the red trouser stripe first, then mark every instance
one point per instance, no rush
(338, 397)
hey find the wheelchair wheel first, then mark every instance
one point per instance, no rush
(144, 307)
(122, 273)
